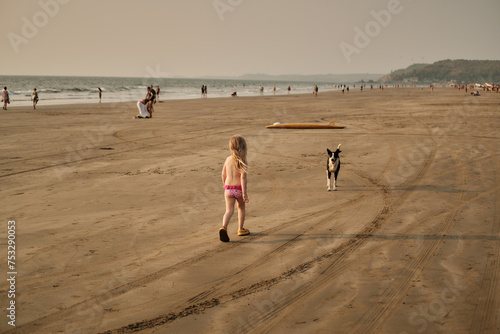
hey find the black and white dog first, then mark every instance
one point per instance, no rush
(332, 166)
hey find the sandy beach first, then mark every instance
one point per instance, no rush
(117, 218)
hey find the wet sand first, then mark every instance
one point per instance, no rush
(117, 219)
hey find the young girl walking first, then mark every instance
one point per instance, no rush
(234, 177)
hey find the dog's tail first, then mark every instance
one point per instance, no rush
(338, 146)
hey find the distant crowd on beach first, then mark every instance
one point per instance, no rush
(146, 105)
(485, 88)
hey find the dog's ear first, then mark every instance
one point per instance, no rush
(329, 152)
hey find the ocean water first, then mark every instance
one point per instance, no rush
(70, 90)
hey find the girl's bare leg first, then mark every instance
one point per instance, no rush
(229, 210)
(241, 213)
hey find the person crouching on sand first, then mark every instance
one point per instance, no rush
(234, 177)
(143, 110)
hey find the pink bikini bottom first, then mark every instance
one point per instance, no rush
(234, 191)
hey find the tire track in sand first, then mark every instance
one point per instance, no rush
(343, 251)
(38, 323)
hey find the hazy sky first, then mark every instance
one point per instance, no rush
(232, 37)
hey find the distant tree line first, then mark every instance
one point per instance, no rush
(460, 71)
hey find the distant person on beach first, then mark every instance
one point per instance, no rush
(234, 178)
(100, 93)
(315, 90)
(153, 94)
(274, 90)
(206, 91)
(34, 97)
(202, 91)
(157, 94)
(150, 97)
(432, 89)
(235, 94)
(288, 89)
(5, 98)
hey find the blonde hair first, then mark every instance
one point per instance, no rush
(238, 147)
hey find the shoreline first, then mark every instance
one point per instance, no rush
(331, 91)
(166, 100)
(61, 90)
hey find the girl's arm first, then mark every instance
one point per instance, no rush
(243, 179)
(223, 175)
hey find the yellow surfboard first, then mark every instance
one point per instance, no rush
(330, 125)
